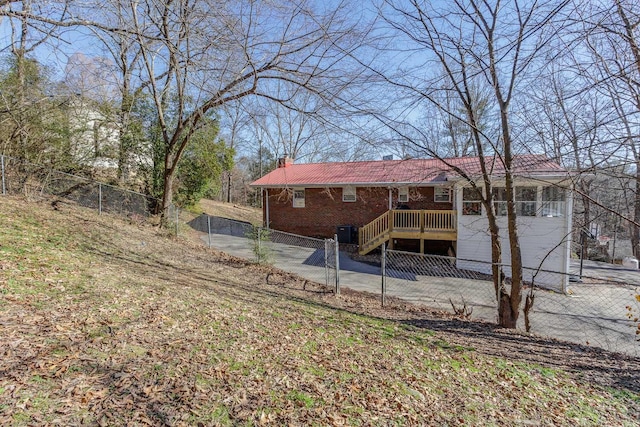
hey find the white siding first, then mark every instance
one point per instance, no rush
(544, 243)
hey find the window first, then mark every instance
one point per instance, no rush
(298, 198)
(403, 194)
(500, 200)
(349, 194)
(553, 201)
(471, 204)
(526, 201)
(442, 195)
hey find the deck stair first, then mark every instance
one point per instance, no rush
(374, 233)
(408, 224)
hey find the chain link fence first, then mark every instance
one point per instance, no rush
(313, 259)
(595, 311)
(595, 308)
(20, 177)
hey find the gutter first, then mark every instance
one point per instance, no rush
(353, 184)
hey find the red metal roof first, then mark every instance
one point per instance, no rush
(399, 172)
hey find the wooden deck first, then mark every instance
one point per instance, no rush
(408, 224)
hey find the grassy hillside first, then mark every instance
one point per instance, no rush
(111, 323)
(231, 210)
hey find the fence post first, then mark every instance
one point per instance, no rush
(383, 270)
(337, 265)
(209, 229)
(100, 198)
(4, 187)
(259, 244)
(582, 251)
(177, 218)
(326, 261)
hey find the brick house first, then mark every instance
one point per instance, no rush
(422, 205)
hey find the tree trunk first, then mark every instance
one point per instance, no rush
(585, 187)
(496, 256)
(502, 296)
(635, 235)
(125, 136)
(510, 315)
(167, 189)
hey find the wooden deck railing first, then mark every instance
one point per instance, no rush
(374, 230)
(439, 221)
(407, 220)
(416, 224)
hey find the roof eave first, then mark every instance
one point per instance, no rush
(350, 184)
(545, 175)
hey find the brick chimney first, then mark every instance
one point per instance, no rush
(285, 162)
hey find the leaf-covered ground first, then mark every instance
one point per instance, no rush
(105, 322)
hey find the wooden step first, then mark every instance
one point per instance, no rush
(374, 243)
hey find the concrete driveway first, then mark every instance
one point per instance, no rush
(606, 271)
(593, 313)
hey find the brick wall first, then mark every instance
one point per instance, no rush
(324, 209)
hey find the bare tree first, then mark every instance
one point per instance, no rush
(26, 99)
(300, 130)
(124, 52)
(567, 119)
(612, 39)
(478, 45)
(200, 55)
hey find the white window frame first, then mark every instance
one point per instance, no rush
(403, 195)
(349, 194)
(526, 207)
(438, 197)
(298, 198)
(471, 207)
(499, 200)
(553, 205)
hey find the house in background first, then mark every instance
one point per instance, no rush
(94, 136)
(423, 205)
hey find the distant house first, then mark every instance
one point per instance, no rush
(95, 137)
(95, 134)
(424, 206)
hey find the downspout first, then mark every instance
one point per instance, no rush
(390, 198)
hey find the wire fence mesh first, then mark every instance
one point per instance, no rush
(593, 311)
(306, 256)
(437, 282)
(313, 259)
(20, 177)
(597, 306)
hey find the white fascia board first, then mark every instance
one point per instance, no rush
(356, 184)
(519, 179)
